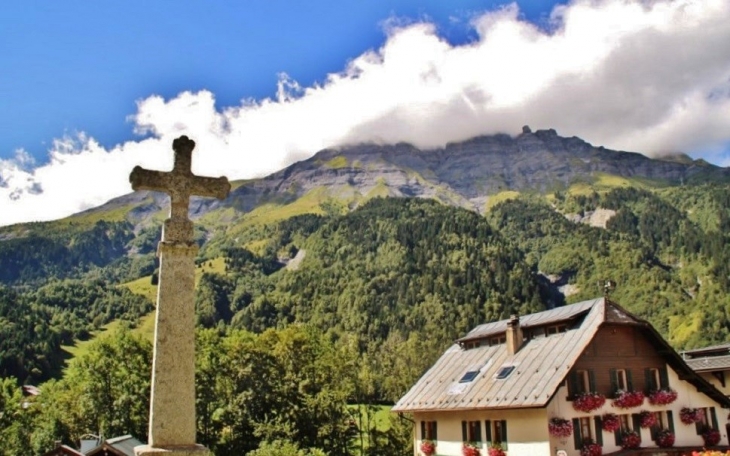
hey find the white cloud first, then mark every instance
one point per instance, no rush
(647, 76)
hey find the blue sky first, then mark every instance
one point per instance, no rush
(88, 90)
(81, 66)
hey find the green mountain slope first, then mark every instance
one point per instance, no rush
(497, 228)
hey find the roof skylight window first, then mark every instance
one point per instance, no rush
(504, 372)
(469, 376)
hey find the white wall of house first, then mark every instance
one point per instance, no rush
(527, 433)
(714, 381)
(686, 435)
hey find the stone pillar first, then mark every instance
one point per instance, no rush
(172, 410)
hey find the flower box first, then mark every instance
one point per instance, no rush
(690, 415)
(428, 448)
(648, 419)
(665, 438)
(630, 440)
(588, 402)
(470, 449)
(496, 450)
(628, 399)
(662, 397)
(711, 437)
(591, 449)
(610, 422)
(560, 427)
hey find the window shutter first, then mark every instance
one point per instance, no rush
(629, 380)
(463, 431)
(713, 416)
(670, 421)
(478, 436)
(592, 380)
(576, 434)
(649, 381)
(423, 430)
(614, 379)
(636, 418)
(435, 431)
(617, 435)
(663, 378)
(504, 434)
(573, 387)
(488, 430)
(599, 430)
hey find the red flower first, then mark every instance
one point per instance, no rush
(665, 438)
(648, 419)
(630, 440)
(560, 427)
(628, 399)
(496, 451)
(591, 449)
(588, 402)
(689, 415)
(610, 422)
(470, 449)
(662, 397)
(711, 437)
(428, 448)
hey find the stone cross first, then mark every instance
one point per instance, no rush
(172, 404)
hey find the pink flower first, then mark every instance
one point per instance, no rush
(665, 438)
(588, 402)
(560, 427)
(648, 419)
(610, 422)
(630, 440)
(662, 397)
(628, 399)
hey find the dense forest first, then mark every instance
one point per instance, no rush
(376, 293)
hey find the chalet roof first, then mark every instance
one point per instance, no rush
(709, 363)
(541, 364)
(121, 446)
(711, 350)
(62, 450)
(557, 315)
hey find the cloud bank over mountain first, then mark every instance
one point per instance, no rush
(646, 76)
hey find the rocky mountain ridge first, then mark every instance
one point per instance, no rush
(464, 174)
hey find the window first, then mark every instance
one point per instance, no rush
(496, 432)
(429, 430)
(625, 423)
(470, 345)
(583, 381)
(660, 424)
(497, 340)
(585, 428)
(504, 372)
(621, 382)
(708, 419)
(652, 379)
(471, 431)
(621, 379)
(469, 376)
(550, 330)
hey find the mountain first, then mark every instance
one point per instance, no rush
(462, 174)
(337, 241)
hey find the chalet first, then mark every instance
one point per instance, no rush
(588, 376)
(94, 446)
(713, 364)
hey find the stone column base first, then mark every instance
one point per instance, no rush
(187, 450)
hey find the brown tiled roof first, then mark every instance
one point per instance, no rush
(540, 365)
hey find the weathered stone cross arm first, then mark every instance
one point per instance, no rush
(180, 184)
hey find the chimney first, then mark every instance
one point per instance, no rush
(513, 335)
